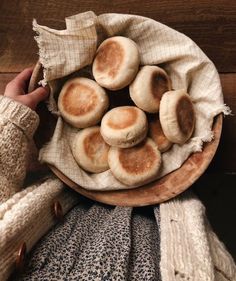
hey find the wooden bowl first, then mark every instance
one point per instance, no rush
(156, 192)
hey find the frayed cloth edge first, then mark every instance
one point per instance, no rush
(42, 54)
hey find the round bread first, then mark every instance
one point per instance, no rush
(148, 87)
(177, 116)
(124, 126)
(90, 150)
(137, 165)
(116, 63)
(82, 102)
(157, 135)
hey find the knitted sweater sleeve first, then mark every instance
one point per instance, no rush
(17, 126)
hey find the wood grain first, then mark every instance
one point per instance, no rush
(225, 158)
(158, 191)
(212, 25)
(155, 192)
(4, 79)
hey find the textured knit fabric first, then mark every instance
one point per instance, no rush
(17, 125)
(98, 242)
(26, 215)
(189, 248)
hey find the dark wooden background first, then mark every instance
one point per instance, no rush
(211, 24)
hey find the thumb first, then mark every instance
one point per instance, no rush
(39, 94)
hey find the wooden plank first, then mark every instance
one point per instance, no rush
(211, 25)
(225, 159)
(4, 79)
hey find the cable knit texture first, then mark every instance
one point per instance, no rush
(20, 115)
(17, 125)
(190, 251)
(27, 215)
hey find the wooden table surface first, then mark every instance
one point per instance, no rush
(211, 24)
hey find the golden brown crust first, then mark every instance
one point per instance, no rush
(79, 99)
(93, 144)
(109, 58)
(159, 85)
(185, 115)
(138, 159)
(157, 135)
(129, 117)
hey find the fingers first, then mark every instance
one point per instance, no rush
(32, 99)
(19, 84)
(38, 95)
(16, 90)
(21, 80)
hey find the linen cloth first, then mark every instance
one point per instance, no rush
(66, 51)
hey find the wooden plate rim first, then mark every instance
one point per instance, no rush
(158, 191)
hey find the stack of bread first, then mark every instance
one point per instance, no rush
(128, 139)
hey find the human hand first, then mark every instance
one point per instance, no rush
(17, 90)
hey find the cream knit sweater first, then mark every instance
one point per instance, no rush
(190, 251)
(27, 215)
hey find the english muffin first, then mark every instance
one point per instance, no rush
(157, 135)
(137, 165)
(148, 87)
(124, 126)
(116, 62)
(82, 102)
(90, 151)
(177, 116)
